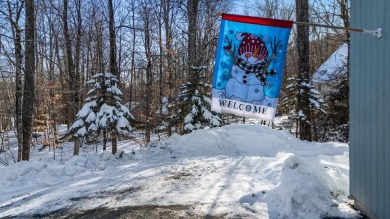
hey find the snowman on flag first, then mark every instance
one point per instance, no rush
(250, 68)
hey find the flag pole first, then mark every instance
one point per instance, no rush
(377, 32)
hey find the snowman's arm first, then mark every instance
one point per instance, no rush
(263, 76)
(274, 46)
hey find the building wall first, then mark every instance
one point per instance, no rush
(370, 108)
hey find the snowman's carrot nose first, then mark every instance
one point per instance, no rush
(256, 52)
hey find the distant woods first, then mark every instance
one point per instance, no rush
(49, 49)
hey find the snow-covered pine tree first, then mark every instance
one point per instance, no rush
(334, 126)
(290, 103)
(339, 105)
(102, 111)
(194, 105)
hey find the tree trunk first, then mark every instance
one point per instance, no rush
(148, 101)
(17, 36)
(114, 141)
(160, 82)
(113, 66)
(168, 52)
(74, 86)
(64, 98)
(29, 77)
(18, 90)
(104, 140)
(52, 108)
(192, 14)
(69, 61)
(77, 144)
(77, 74)
(99, 49)
(302, 11)
(132, 73)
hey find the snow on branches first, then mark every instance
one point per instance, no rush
(102, 109)
(194, 111)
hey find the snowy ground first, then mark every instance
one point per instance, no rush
(237, 171)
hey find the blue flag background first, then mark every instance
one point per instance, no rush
(249, 65)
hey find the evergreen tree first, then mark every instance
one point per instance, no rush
(334, 126)
(194, 108)
(290, 103)
(102, 111)
(339, 113)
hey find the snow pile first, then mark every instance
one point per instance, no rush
(305, 189)
(310, 180)
(246, 171)
(49, 172)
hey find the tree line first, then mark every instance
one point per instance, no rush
(157, 49)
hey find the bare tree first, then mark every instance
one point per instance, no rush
(276, 9)
(132, 55)
(14, 15)
(29, 78)
(113, 64)
(192, 14)
(160, 49)
(147, 26)
(167, 19)
(73, 79)
(302, 13)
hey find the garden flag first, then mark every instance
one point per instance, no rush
(249, 65)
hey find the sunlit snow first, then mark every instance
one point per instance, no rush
(241, 171)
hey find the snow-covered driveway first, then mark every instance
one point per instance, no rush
(236, 171)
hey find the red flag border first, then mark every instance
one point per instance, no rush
(258, 20)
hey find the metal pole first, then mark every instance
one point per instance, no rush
(328, 26)
(377, 32)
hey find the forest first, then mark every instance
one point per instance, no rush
(160, 55)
